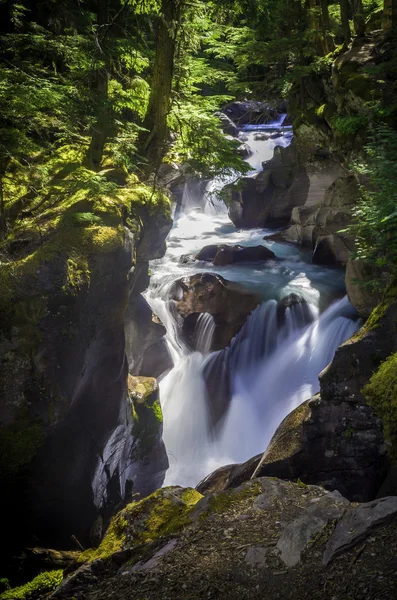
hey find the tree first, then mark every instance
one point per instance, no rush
(390, 17)
(344, 13)
(326, 27)
(153, 140)
(358, 18)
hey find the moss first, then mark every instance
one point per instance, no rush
(360, 85)
(37, 589)
(162, 514)
(113, 541)
(326, 111)
(381, 393)
(158, 413)
(19, 443)
(224, 500)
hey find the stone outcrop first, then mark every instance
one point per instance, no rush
(320, 224)
(266, 538)
(363, 297)
(288, 186)
(229, 303)
(65, 415)
(228, 255)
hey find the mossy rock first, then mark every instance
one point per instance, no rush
(37, 589)
(326, 111)
(381, 393)
(19, 443)
(162, 514)
(360, 85)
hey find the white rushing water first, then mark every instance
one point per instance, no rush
(223, 407)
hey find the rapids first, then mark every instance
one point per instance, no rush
(223, 407)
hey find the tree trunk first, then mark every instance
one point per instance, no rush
(315, 26)
(100, 128)
(344, 13)
(152, 142)
(358, 18)
(389, 22)
(326, 27)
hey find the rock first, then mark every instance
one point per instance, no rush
(362, 297)
(229, 303)
(228, 477)
(244, 151)
(297, 534)
(261, 136)
(320, 221)
(256, 556)
(226, 255)
(227, 124)
(357, 525)
(144, 340)
(335, 439)
(249, 111)
(148, 461)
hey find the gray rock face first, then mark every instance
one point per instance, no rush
(297, 534)
(256, 556)
(361, 297)
(358, 524)
(319, 222)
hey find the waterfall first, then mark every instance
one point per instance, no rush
(223, 407)
(271, 371)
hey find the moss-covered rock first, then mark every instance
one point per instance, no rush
(381, 393)
(37, 589)
(162, 514)
(68, 268)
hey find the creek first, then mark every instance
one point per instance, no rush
(271, 366)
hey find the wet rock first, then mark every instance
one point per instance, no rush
(244, 151)
(248, 111)
(228, 477)
(229, 303)
(358, 525)
(227, 124)
(261, 136)
(226, 255)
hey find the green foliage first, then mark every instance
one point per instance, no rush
(349, 125)
(38, 589)
(376, 214)
(381, 393)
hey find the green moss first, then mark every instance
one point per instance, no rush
(113, 541)
(38, 589)
(326, 111)
(381, 393)
(159, 515)
(158, 413)
(19, 443)
(224, 500)
(360, 85)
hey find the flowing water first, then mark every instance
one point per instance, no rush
(223, 407)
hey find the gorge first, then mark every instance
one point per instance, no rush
(198, 305)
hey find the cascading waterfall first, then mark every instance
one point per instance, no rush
(223, 407)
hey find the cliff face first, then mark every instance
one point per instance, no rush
(68, 429)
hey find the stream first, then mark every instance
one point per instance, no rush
(269, 368)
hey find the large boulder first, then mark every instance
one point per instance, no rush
(229, 303)
(272, 196)
(361, 295)
(322, 221)
(244, 112)
(227, 255)
(228, 126)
